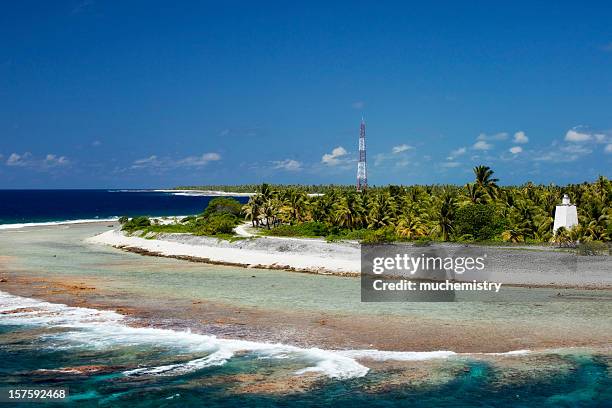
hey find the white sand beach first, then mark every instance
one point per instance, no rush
(305, 255)
(539, 266)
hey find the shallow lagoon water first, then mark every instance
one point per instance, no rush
(27, 346)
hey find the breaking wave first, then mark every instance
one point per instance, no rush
(101, 329)
(52, 223)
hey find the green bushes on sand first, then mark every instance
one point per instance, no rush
(216, 224)
(218, 219)
(590, 248)
(137, 223)
(306, 229)
(478, 222)
(222, 205)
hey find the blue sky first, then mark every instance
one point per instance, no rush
(153, 94)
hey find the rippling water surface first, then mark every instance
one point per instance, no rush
(107, 359)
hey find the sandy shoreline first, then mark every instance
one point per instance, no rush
(538, 267)
(208, 193)
(214, 193)
(313, 256)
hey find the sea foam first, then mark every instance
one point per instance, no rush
(53, 223)
(103, 329)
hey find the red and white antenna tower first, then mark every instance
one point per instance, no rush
(362, 172)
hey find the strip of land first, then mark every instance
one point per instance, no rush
(303, 255)
(520, 266)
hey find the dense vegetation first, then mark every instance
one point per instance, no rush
(478, 211)
(218, 219)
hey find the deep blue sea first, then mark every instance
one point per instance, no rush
(33, 206)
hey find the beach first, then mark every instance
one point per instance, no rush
(322, 304)
(220, 316)
(513, 265)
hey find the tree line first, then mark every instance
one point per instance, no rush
(479, 211)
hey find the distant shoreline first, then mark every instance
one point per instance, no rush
(208, 193)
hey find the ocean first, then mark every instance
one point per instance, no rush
(44, 206)
(179, 351)
(93, 354)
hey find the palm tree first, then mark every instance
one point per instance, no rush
(410, 228)
(562, 237)
(349, 211)
(485, 180)
(252, 210)
(446, 216)
(269, 211)
(513, 235)
(296, 205)
(474, 193)
(382, 211)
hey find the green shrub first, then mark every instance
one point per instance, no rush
(380, 236)
(478, 221)
(171, 228)
(217, 225)
(305, 229)
(123, 220)
(223, 205)
(592, 248)
(358, 234)
(422, 242)
(136, 223)
(284, 231)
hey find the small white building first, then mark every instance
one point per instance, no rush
(566, 215)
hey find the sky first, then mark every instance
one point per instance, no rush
(146, 94)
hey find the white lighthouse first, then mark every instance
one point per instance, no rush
(565, 215)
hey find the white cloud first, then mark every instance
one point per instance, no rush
(199, 161)
(401, 148)
(451, 164)
(520, 137)
(288, 164)
(482, 145)
(161, 163)
(399, 155)
(151, 161)
(19, 159)
(496, 136)
(608, 148)
(516, 149)
(53, 160)
(27, 160)
(334, 158)
(358, 105)
(575, 149)
(568, 152)
(96, 143)
(456, 153)
(575, 136)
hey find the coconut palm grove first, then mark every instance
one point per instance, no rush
(480, 211)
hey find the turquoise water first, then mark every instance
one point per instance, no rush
(587, 384)
(49, 344)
